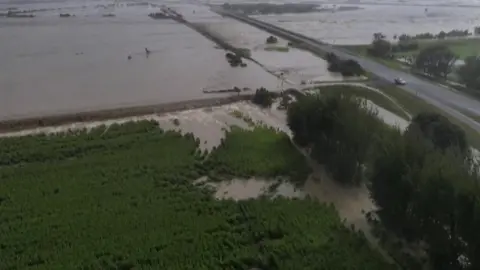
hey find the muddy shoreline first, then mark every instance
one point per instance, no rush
(108, 114)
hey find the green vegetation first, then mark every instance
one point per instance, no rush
(271, 40)
(380, 99)
(123, 198)
(470, 72)
(436, 61)
(247, 153)
(438, 130)
(263, 98)
(234, 59)
(415, 105)
(463, 47)
(338, 130)
(425, 189)
(347, 68)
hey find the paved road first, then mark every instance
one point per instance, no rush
(453, 103)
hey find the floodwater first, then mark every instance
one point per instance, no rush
(55, 65)
(52, 64)
(295, 65)
(358, 26)
(209, 126)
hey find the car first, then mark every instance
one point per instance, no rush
(400, 81)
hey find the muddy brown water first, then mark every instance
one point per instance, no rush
(58, 65)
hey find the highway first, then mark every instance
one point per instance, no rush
(451, 102)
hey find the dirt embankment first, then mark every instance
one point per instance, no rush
(89, 116)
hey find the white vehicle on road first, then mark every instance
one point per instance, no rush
(400, 81)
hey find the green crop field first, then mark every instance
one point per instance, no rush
(123, 198)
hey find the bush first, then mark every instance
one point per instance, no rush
(271, 40)
(263, 98)
(347, 68)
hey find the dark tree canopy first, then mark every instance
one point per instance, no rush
(442, 133)
(347, 68)
(437, 60)
(271, 40)
(424, 191)
(380, 48)
(470, 72)
(263, 97)
(338, 130)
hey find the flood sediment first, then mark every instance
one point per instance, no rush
(100, 115)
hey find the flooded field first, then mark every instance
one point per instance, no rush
(58, 65)
(209, 126)
(358, 26)
(296, 65)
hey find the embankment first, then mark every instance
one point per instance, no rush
(201, 29)
(89, 116)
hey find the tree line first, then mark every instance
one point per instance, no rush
(423, 181)
(440, 35)
(436, 60)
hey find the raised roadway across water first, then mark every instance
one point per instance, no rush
(452, 102)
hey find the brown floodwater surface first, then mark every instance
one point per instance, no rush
(54, 65)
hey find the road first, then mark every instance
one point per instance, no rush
(453, 103)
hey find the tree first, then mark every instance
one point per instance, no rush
(271, 40)
(378, 36)
(437, 60)
(380, 48)
(469, 73)
(345, 67)
(477, 30)
(441, 35)
(438, 130)
(338, 130)
(405, 46)
(424, 193)
(404, 37)
(263, 98)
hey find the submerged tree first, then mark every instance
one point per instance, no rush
(263, 98)
(271, 40)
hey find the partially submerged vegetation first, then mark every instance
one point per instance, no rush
(134, 185)
(271, 40)
(421, 180)
(123, 197)
(235, 59)
(263, 97)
